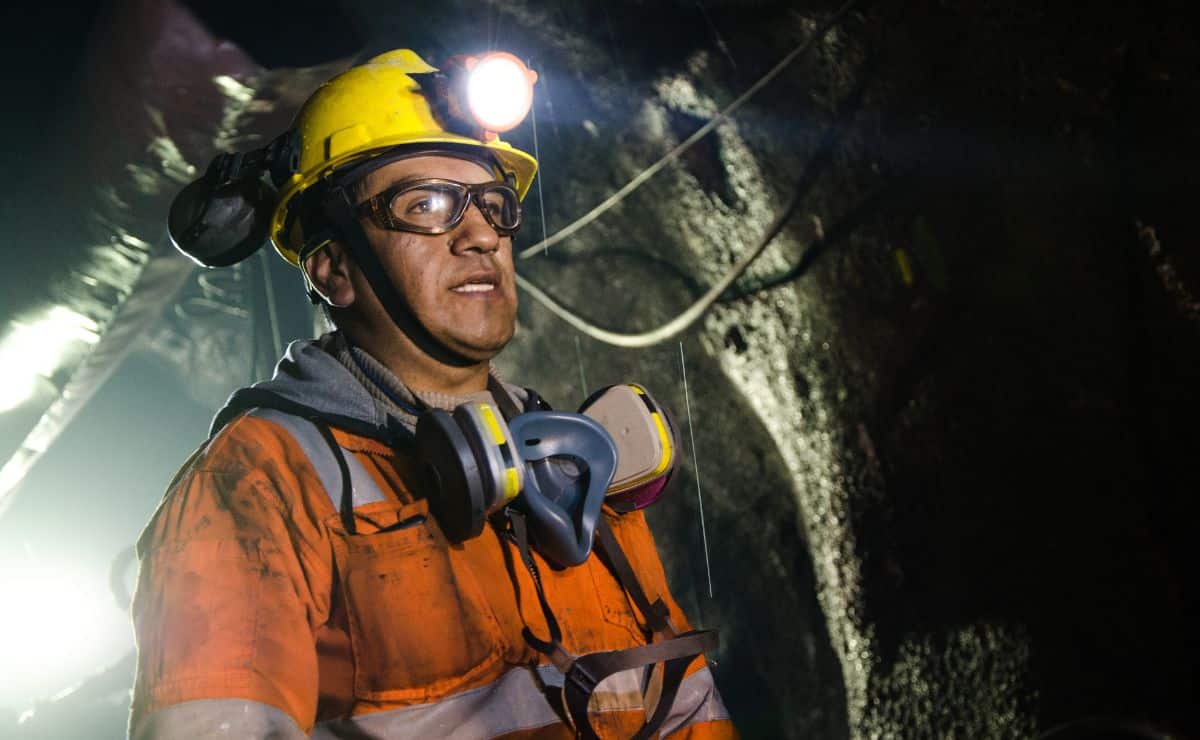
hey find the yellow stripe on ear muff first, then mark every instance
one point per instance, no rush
(662, 429)
(512, 484)
(512, 479)
(493, 425)
(666, 443)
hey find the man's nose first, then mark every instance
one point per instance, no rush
(474, 233)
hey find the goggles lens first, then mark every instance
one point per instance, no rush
(437, 206)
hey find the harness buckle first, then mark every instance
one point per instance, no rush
(581, 679)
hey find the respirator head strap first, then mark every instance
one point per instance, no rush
(508, 408)
(519, 534)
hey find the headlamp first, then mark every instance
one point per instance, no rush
(499, 91)
(491, 93)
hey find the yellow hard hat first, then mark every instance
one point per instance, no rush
(360, 114)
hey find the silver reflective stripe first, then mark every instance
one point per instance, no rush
(619, 692)
(515, 702)
(321, 457)
(696, 702)
(512, 702)
(216, 718)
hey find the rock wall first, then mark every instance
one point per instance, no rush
(917, 417)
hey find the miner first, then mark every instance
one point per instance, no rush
(386, 540)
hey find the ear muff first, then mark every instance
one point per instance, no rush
(473, 468)
(561, 463)
(224, 216)
(490, 439)
(645, 440)
(220, 220)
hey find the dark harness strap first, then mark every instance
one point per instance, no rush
(588, 671)
(582, 674)
(657, 616)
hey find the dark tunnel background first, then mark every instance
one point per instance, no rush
(946, 424)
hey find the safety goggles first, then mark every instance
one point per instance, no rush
(435, 206)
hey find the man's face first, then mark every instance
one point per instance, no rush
(460, 285)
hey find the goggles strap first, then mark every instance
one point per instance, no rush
(339, 211)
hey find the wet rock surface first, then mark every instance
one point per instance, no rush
(933, 504)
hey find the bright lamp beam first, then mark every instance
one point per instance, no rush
(499, 91)
(35, 348)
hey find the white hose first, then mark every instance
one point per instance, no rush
(675, 325)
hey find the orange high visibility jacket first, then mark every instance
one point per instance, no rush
(257, 615)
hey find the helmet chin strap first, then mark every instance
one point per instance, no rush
(339, 212)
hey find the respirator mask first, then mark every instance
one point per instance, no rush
(555, 468)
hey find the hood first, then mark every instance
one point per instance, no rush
(310, 382)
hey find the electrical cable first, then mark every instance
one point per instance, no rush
(700, 133)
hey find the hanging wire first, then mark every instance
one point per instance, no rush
(695, 467)
(272, 315)
(583, 386)
(700, 133)
(537, 155)
(716, 34)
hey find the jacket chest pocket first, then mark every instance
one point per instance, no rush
(616, 605)
(419, 627)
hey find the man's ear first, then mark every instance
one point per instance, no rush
(328, 271)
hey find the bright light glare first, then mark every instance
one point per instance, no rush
(35, 348)
(54, 627)
(500, 91)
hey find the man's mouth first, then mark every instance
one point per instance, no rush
(475, 288)
(480, 283)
